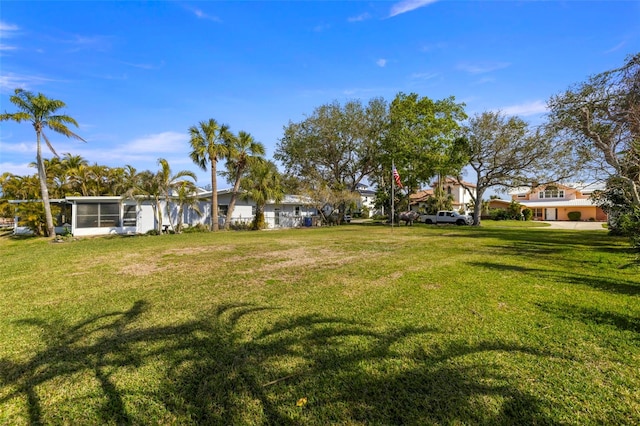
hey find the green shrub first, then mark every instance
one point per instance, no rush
(196, 228)
(32, 216)
(574, 216)
(629, 223)
(527, 214)
(240, 226)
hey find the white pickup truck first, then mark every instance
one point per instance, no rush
(446, 216)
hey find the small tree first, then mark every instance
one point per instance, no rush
(242, 151)
(262, 184)
(207, 142)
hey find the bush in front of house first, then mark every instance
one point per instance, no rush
(574, 216)
(527, 214)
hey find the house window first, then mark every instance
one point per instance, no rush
(129, 216)
(449, 190)
(97, 215)
(297, 212)
(253, 210)
(538, 214)
(223, 209)
(522, 195)
(551, 193)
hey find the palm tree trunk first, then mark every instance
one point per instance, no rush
(42, 175)
(232, 203)
(158, 214)
(214, 196)
(258, 220)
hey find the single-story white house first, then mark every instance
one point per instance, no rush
(104, 215)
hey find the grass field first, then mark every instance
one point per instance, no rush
(358, 324)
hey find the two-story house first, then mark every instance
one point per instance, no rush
(556, 201)
(460, 198)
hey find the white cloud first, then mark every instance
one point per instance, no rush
(10, 81)
(483, 67)
(423, 75)
(408, 6)
(19, 148)
(526, 109)
(79, 43)
(165, 142)
(359, 18)
(616, 47)
(146, 66)
(17, 169)
(381, 62)
(485, 80)
(7, 31)
(202, 15)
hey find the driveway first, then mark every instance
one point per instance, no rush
(580, 226)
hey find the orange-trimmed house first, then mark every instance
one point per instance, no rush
(556, 201)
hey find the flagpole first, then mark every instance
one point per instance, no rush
(393, 197)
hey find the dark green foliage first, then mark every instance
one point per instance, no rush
(527, 214)
(629, 224)
(574, 216)
(197, 228)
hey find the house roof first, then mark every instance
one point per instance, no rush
(585, 188)
(455, 181)
(420, 195)
(580, 202)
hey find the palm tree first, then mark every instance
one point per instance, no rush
(186, 196)
(71, 165)
(40, 111)
(242, 152)
(262, 183)
(168, 184)
(207, 147)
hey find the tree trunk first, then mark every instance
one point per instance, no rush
(158, 215)
(214, 196)
(42, 175)
(258, 220)
(178, 228)
(477, 205)
(232, 203)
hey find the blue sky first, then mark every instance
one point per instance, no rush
(137, 75)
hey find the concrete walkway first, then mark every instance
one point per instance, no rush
(580, 226)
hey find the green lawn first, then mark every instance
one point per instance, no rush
(358, 324)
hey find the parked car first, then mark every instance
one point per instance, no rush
(347, 218)
(447, 216)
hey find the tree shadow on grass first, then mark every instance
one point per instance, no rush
(522, 237)
(218, 370)
(622, 322)
(603, 283)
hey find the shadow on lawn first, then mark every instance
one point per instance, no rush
(214, 371)
(604, 283)
(622, 322)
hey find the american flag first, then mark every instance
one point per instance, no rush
(396, 177)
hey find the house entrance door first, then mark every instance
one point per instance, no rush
(550, 214)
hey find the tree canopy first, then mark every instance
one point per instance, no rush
(506, 151)
(602, 117)
(41, 112)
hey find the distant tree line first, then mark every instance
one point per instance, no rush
(592, 129)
